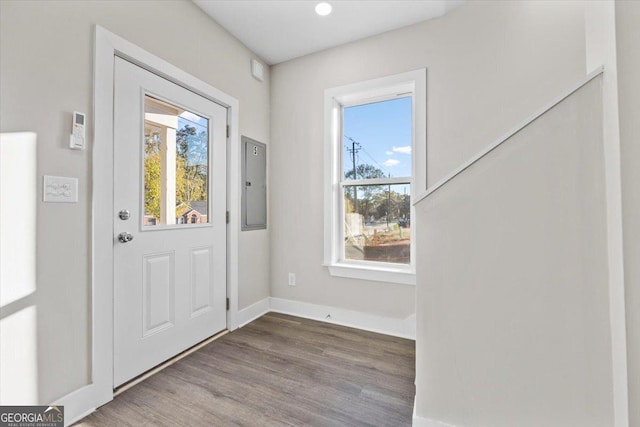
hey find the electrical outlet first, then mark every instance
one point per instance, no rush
(292, 279)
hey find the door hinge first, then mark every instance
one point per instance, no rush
(227, 304)
(228, 131)
(227, 217)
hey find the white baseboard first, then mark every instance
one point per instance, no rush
(426, 422)
(77, 404)
(404, 328)
(251, 313)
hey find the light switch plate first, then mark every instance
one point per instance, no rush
(60, 189)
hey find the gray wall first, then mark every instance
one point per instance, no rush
(46, 57)
(628, 43)
(513, 310)
(490, 65)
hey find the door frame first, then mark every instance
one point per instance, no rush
(107, 47)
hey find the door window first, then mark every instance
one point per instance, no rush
(176, 165)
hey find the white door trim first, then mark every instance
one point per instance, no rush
(107, 46)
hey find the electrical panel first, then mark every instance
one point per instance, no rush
(254, 185)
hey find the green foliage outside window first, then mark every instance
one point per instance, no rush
(191, 170)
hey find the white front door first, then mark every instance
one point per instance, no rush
(168, 219)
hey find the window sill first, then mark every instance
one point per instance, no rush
(402, 276)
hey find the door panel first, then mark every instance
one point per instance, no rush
(201, 280)
(158, 292)
(170, 177)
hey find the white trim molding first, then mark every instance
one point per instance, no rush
(78, 404)
(403, 328)
(435, 187)
(426, 422)
(601, 48)
(108, 45)
(252, 312)
(378, 273)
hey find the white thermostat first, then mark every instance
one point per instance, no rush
(77, 139)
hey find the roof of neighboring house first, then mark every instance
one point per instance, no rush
(202, 207)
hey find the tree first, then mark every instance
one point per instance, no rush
(191, 165)
(405, 206)
(364, 193)
(191, 169)
(152, 170)
(391, 204)
(364, 171)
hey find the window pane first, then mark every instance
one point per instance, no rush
(176, 165)
(377, 223)
(377, 139)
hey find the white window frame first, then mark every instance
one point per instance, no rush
(413, 83)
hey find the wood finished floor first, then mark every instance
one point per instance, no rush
(277, 371)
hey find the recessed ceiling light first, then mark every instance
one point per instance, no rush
(323, 9)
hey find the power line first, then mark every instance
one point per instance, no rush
(375, 161)
(368, 155)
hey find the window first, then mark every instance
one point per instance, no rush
(176, 162)
(376, 185)
(375, 162)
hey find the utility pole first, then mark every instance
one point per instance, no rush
(355, 147)
(388, 203)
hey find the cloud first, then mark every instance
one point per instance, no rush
(404, 149)
(391, 162)
(389, 153)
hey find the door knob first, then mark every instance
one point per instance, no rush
(125, 237)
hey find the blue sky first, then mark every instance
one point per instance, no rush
(383, 130)
(201, 124)
(192, 119)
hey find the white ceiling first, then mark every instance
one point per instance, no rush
(279, 30)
